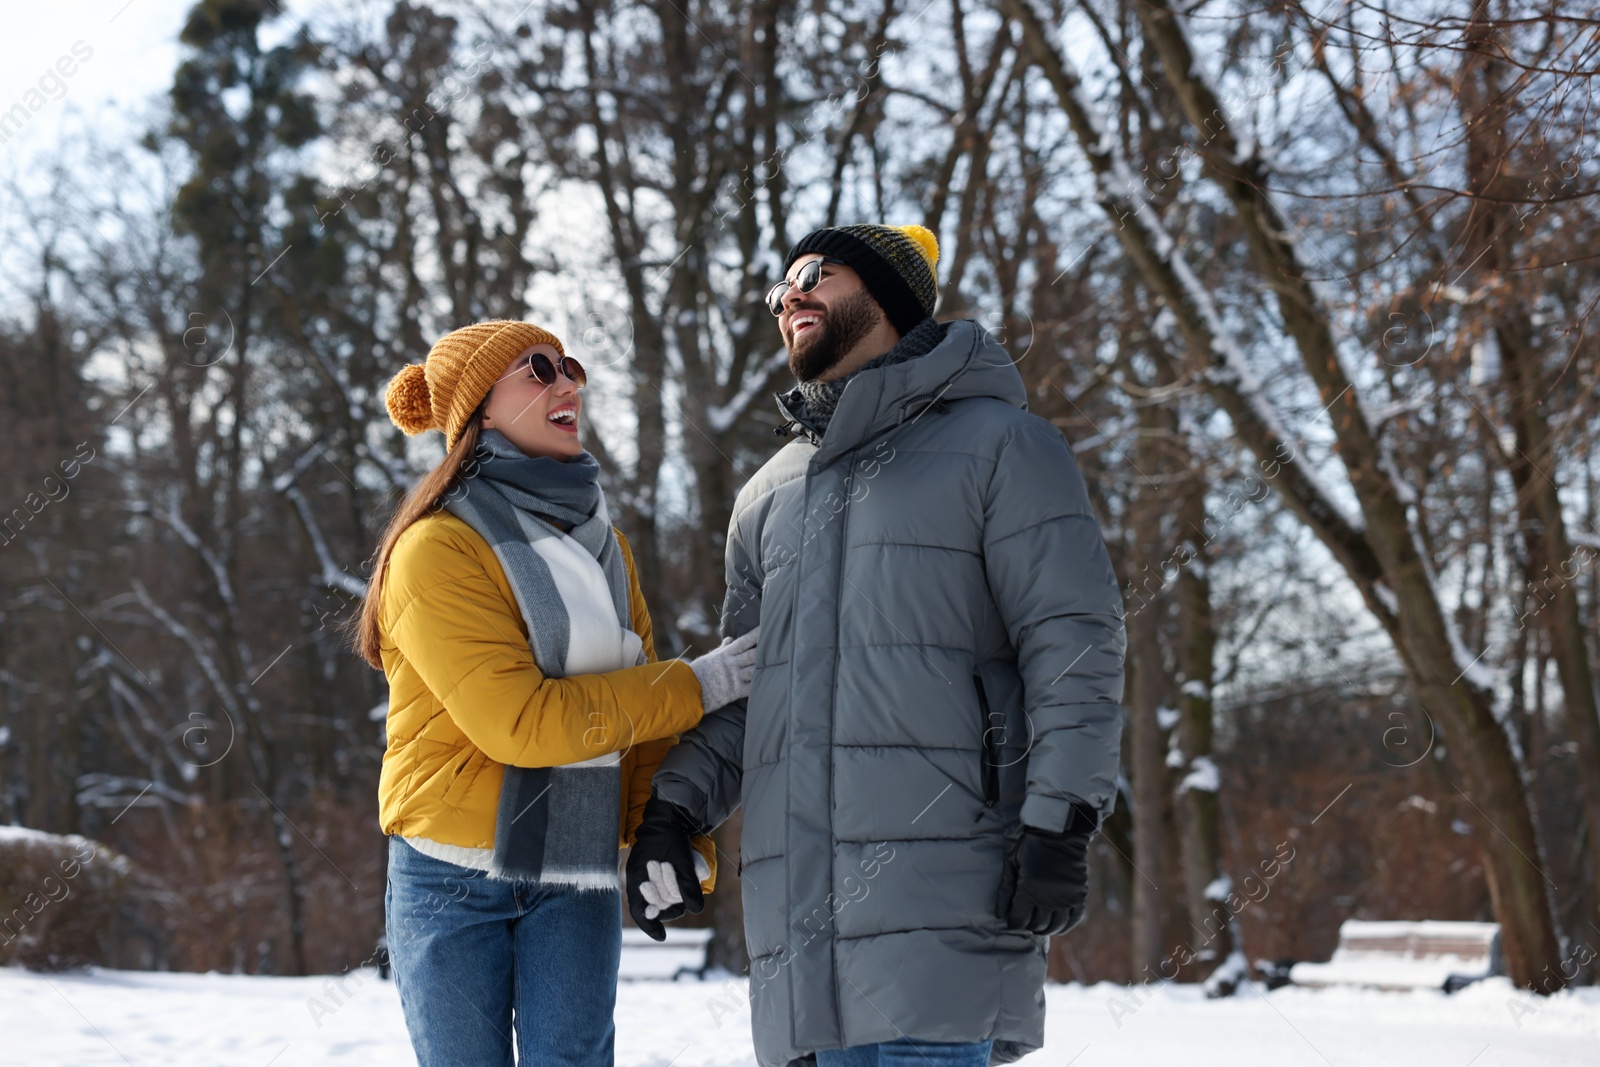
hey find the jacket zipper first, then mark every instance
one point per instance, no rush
(991, 751)
(838, 598)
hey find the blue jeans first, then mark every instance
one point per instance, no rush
(906, 1052)
(477, 959)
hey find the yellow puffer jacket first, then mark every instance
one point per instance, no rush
(466, 698)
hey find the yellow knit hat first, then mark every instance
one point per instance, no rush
(461, 368)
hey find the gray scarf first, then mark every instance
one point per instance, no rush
(815, 401)
(556, 825)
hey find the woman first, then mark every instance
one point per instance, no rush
(525, 717)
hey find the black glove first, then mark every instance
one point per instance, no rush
(1044, 884)
(662, 838)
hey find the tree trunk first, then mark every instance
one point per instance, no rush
(1147, 751)
(1204, 883)
(647, 360)
(1149, 774)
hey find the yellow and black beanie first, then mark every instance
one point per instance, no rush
(895, 264)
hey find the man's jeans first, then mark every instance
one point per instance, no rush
(908, 1053)
(469, 952)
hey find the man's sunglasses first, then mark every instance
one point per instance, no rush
(545, 371)
(806, 279)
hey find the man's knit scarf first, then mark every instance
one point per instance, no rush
(817, 400)
(556, 825)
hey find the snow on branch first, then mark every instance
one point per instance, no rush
(1151, 245)
(199, 648)
(1203, 776)
(333, 575)
(723, 416)
(117, 791)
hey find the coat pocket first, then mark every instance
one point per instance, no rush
(462, 775)
(991, 731)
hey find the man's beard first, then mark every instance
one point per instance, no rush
(842, 327)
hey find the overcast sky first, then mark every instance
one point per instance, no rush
(132, 49)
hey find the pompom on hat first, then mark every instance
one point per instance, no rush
(443, 392)
(896, 264)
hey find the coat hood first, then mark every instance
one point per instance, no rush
(968, 362)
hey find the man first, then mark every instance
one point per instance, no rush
(932, 731)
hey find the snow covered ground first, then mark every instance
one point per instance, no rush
(132, 1019)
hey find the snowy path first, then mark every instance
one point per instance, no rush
(188, 1020)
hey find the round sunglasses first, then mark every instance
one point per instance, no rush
(544, 370)
(806, 279)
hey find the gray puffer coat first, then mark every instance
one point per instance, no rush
(940, 661)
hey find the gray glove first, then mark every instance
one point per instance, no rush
(725, 671)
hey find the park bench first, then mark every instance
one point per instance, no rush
(682, 953)
(1427, 954)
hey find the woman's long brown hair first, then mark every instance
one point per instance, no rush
(363, 630)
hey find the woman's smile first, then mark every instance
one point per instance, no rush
(565, 416)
